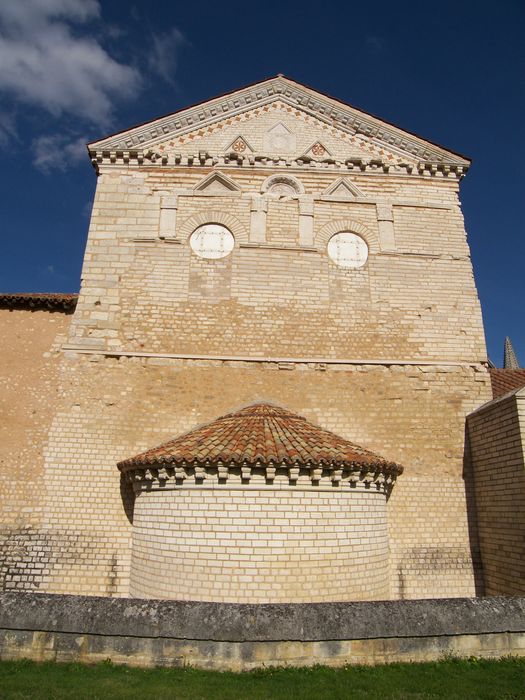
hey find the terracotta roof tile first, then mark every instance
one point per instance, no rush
(260, 434)
(505, 380)
(35, 300)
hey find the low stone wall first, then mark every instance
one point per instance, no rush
(243, 637)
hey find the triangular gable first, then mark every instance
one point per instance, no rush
(343, 187)
(217, 183)
(318, 151)
(239, 145)
(344, 117)
(277, 131)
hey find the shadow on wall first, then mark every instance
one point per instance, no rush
(443, 565)
(128, 497)
(472, 517)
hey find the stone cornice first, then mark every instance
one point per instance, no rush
(348, 119)
(126, 158)
(375, 477)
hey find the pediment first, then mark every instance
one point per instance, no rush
(202, 120)
(317, 151)
(345, 188)
(277, 132)
(238, 145)
(217, 183)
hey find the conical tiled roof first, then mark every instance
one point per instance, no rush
(260, 435)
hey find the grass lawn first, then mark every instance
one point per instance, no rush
(451, 678)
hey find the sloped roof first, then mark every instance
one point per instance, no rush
(261, 434)
(35, 300)
(297, 95)
(505, 380)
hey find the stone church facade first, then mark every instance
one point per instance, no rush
(272, 246)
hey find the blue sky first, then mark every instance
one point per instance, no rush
(72, 71)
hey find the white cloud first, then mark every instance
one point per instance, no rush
(57, 152)
(52, 58)
(164, 54)
(34, 12)
(46, 65)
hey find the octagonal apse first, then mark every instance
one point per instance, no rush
(260, 506)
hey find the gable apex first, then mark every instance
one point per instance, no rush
(296, 95)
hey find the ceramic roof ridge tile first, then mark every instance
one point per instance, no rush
(261, 433)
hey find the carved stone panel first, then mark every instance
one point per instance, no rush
(279, 140)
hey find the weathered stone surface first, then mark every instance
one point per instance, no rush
(231, 622)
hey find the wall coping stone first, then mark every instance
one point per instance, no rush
(152, 618)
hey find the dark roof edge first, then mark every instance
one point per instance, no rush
(64, 303)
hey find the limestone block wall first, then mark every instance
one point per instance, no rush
(111, 408)
(260, 545)
(389, 355)
(28, 397)
(497, 452)
(274, 296)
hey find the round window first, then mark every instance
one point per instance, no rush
(212, 241)
(347, 249)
